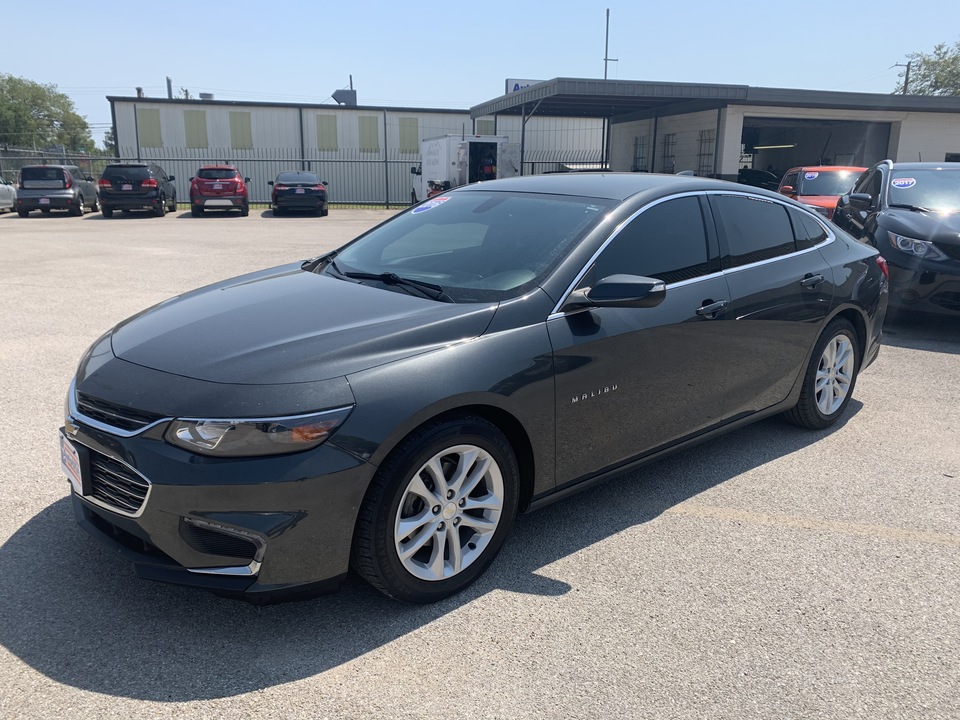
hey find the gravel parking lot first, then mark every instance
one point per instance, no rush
(774, 573)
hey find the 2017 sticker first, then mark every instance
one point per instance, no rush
(904, 183)
(811, 175)
(430, 205)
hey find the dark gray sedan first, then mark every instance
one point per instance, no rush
(55, 187)
(393, 404)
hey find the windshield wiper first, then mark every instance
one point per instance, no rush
(315, 265)
(434, 292)
(910, 207)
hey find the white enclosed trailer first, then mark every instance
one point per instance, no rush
(448, 161)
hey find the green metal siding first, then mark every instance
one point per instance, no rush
(195, 128)
(148, 127)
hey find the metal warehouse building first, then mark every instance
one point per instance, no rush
(365, 153)
(714, 130)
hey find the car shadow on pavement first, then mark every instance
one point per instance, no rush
(915, 331)
(76, 613)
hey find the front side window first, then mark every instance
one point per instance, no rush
(666, 241)
(755, 229)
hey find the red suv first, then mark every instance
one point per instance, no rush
(218, 187)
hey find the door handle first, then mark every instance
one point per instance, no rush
(811, 280)
(711, 309)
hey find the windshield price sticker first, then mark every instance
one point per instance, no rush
(904, 183)
(811, 175)
(430, 205)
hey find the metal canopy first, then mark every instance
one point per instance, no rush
(573, 97)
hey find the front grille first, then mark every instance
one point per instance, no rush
(114, 415)
(951, 251)
(116, 485)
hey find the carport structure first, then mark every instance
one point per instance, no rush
(715, 130)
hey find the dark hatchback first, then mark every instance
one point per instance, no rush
(136, 186)
(393, 404)
(911, 213)
(298, 191)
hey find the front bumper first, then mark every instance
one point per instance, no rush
(256, 528)
(924, 286)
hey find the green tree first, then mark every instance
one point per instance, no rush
(936, 73)
(33, 115)
(109, 142)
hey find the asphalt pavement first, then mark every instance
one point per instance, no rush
(773, 573)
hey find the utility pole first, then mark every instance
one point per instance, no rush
(606, 48)
(906, 75)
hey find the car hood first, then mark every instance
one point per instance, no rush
(943, 229)
(286, 325)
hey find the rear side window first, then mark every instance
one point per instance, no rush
(216, 173)
(47, 178)
(755, 229)
(126, 172)
(807, 231)
(667, 242)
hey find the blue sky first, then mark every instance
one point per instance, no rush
(452, 54)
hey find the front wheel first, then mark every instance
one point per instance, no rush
(78, 208)
(829, 379)
(437, 511)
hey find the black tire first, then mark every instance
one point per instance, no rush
(106, 212)
(95, 206)
(23, 213)
(277, 212)
(809, 411)
(125, 211)
(173, 204)
(375, 554)
(245, 210)
(324, 211)
(196, 210)
(161, 208)
(77, 210)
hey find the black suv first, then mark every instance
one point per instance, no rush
(132, 186)
(911, 213)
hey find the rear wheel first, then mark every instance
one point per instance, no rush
(244, 209)
(196, 211)
(173, 204)
(829, 379)
(107, 212)
(438, 510)
(23, 213)
(277, 212)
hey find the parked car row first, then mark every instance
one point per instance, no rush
(147, 186)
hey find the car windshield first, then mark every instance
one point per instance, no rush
(42, 177)
(826, 182)
(479, 246)
(216, 173)
(932, 189)
(297, 179)
(126, 172)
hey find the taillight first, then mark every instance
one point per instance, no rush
(67, 181)
(317, 187)
(279, 187)
(194, 185)
(104, 183)
(149, 182)
(884, 268)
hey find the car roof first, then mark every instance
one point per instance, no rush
(47, 166)
(827, 168)
(609, 185)
(926, 165)
(217, 167)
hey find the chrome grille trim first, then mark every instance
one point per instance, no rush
(116, 486)
(76, 413)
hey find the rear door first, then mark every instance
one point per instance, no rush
(629, 380)
(780, 294)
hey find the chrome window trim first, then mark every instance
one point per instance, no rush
(99, 503)
(75, 414)
(278, 418)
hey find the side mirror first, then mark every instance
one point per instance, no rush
(171, 178)
(627, 291)
(788, 190)
(88, 178)
(861, 200)
(190, 179)
(246, 179)
(324, 183)
(415, 171)
(269, 182)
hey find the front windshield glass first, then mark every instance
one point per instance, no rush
(827, 182)
(479, 246)
(933, 189)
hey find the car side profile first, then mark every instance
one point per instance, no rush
(136, 186)
(219, 187)
(819, 186)
(55, 187)
(910, 212)
(391, 405)
(8, 195)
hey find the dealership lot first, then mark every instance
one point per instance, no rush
(772, 573)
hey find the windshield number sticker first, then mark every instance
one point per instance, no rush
(904, 183)
(811, 176)
(430, 205)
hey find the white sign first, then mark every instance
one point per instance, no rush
(512, 85)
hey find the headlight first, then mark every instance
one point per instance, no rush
(254, 437)
(919, 248)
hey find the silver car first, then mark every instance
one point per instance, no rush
(8, 195)
(55, 187)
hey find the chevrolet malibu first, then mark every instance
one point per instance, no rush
(390, 406)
